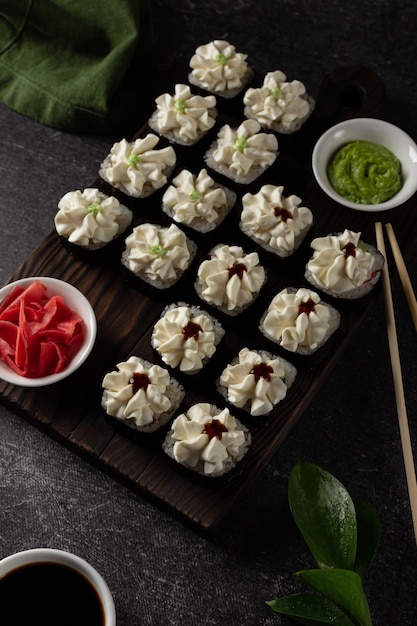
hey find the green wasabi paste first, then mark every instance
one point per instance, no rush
(365, 172)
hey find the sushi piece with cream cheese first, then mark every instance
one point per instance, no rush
(219, 68)
(186, 337)
(275, 222)
(197, 201)
(141, 395)
(256, 381)
(230, 279)
(90, 223)
(298, 320)
(279, 105)
(183, 117)
(208, 441)
(158, 255)
(138, 168)
(344, 266)
(243, 153)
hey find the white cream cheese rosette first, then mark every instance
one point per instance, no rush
(257, 382)
(242, 153)
(279, 104)
(342, 265)
(141, 394)
(183, 116)
(185, 337)
(136, 168)
(196, 200)
(208, 440)
(217, 67)
(159, 255)
(230, 279)
(90, 218)
(299, 320)
(278, 223)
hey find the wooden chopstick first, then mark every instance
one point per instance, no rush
(403, 273)
(398, 382)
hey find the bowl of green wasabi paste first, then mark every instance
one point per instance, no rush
(366, 164)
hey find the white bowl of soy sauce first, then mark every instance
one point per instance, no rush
(49, 587)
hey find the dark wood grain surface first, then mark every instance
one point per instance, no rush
(125, 317)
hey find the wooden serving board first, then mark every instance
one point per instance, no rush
(70, 411)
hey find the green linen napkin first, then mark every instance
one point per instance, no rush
(76, 65)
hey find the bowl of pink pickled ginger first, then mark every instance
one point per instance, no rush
(47, 330)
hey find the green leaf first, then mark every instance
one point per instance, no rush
(325, 514)
(369, 532)
(307, 609)
(344, 588)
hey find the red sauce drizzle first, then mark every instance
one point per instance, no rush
(349, 249)
(191, 330)
(237, 269)
(306, 307)
(139, 381)
(215, 428)
(285, 215)
(262, 370)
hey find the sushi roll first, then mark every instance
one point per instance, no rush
(186, 337)
(90, 223)
(137, 168)
(299, 321)
(218, 68)
(141, 395)
(275, 222)
(243, 153)
(279, 105)
(183, 118)
(197, 201)
(157, 255)
(231, 279)
(343, 266)
(207, 440)
(256, 381)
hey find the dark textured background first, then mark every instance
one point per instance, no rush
(160, 572)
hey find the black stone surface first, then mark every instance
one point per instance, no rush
(160, 572)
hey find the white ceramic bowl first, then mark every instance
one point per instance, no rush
(376, 131)
(51, 555)
(76, 301)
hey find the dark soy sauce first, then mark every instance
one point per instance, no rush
(46, 594)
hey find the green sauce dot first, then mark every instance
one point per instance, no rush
(220, 59)
(158, 250)
(94, 208)
(134, 159)
(240, 144)
(275, 92)
(195, 195)
(180, 105)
